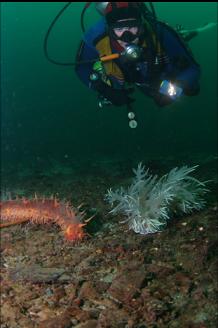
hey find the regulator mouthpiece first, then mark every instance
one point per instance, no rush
(132, 52)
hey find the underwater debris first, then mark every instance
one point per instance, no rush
(44, 211)
(149, 202)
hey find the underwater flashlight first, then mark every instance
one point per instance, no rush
(169, 89)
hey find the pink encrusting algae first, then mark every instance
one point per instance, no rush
(44, 211)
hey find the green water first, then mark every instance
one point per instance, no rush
(48, 113)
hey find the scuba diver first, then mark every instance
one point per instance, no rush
(129, 47)
(136, 50)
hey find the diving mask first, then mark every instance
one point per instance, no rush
(126, 30)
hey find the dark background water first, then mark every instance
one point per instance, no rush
(48, 113)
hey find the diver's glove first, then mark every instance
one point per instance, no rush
(117, 97)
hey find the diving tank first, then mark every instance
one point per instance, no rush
(100, 7)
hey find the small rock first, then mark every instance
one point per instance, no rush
(87, 324)
(61, 321)
(88, 291)
(36, 274)
(113, 319)
(127, 283)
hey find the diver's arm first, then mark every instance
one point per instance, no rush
(185, 71)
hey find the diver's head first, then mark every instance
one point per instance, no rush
(124, 22)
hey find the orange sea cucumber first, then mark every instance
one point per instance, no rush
(43, 211)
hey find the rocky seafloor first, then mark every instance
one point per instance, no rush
(114, 278)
